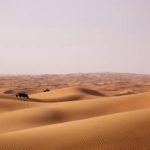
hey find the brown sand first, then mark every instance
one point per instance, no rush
(107, 83)
(75, 118)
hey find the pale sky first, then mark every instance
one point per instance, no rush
(71, 36)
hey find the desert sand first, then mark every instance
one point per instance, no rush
(104, 112)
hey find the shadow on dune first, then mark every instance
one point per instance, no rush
(76, 97)
(57, 116)
(32, 118)
(55, 100)
(82, 92)
(91, 92)
(46, 116)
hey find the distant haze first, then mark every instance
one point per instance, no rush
(66, 36)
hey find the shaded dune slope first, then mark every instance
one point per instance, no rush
(81, 119)
(66, 94)
(55, 113)
(128, 130)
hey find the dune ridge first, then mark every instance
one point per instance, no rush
(67, 94)
(75, 118)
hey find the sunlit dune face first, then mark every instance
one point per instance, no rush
(59, 119)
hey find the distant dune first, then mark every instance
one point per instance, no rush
(76, 118)
(107, 83)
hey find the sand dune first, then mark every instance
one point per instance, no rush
(75, 118)
(67, 94)
(10, 103)
(109, 83)
(46, 114)
(129, 130)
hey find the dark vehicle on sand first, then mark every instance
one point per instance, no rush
(22, 95)
(46, 90)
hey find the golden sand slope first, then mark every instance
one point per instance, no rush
(129, 130)
(67, 94)
(90, 122)
(10, 103)
(53, 113)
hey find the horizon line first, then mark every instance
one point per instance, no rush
(42, 74)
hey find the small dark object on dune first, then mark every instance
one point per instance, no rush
(22, 95)
(46, 90)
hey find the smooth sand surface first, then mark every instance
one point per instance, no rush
(67, 94)
(75, 118)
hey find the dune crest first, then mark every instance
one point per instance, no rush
(67, 94)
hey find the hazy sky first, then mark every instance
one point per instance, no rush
(65, 36)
